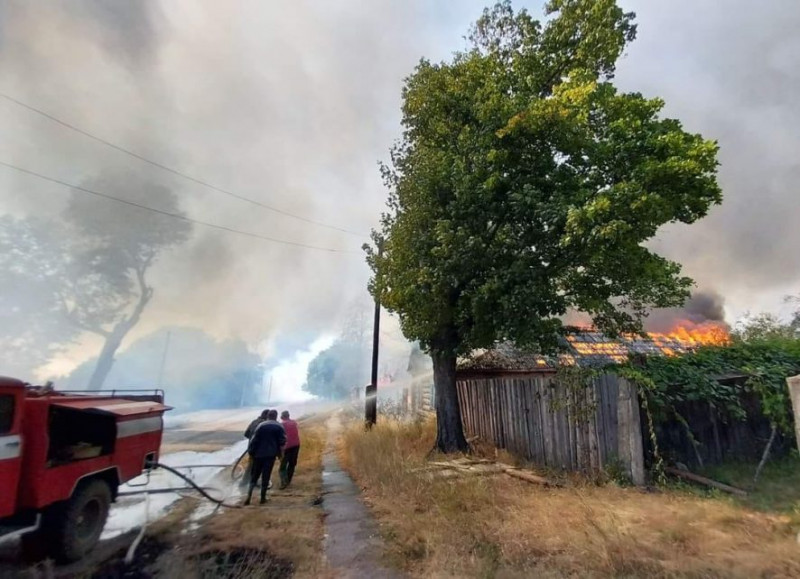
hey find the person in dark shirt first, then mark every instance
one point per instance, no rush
(251, 428)
(265, 447)
(248, 434)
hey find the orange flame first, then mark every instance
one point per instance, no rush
(684, 336)
(707, 333)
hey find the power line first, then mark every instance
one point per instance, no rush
(175, 171)
(169, 213)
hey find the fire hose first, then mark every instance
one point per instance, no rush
(132, 549)
(236, 466)
(235, 469)
(197, 487)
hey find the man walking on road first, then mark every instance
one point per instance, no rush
(291, 450)
(265, 447)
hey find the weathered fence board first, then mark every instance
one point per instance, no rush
(534, 417)
(794, 393)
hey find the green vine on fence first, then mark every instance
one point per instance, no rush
(575, 380)
(667, 381)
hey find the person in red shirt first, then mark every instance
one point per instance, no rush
(290, 451)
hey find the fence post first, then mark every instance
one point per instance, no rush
(631, 448)
(794, 393)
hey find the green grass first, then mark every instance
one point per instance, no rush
(778, 487)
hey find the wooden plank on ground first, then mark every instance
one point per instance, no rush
(532, 478)
(685, 474)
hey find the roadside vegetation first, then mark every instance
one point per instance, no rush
(290, 527)
(777, 491)
(497, 526)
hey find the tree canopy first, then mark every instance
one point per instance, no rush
(32, 325)
(334, 372)
(86, 272)
(525, 183)
(766, 326)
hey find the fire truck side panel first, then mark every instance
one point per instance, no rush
(12, 394)
(57, 483)
(34, 458)
(138, 439)
(137, 436)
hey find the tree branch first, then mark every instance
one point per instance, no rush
(145, 293)
(73, 318)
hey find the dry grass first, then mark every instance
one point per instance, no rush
(502, 527)
(290, 527)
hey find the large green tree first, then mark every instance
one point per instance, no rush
(525, 184)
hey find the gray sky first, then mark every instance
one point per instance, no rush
(293, 104)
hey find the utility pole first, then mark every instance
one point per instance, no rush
(163, 361)
(371, 400)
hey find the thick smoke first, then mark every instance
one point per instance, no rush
(292, 104)
(700, 308)
(731, 71)
(289, 104)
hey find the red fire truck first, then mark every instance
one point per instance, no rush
(63, 456)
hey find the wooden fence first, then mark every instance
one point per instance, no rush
(794, 393)
(533, 416)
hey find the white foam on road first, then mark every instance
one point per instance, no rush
(129, 511)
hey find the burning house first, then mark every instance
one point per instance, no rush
(589, 348)
(515, 399)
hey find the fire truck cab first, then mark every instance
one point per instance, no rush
(63, 456)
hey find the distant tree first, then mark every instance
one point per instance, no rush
(525, 184)
(200, 371)
(85, 273)
(334, 372)
(357, 325)
(418, 362)
(794, 323)
(32, 325)
(106, 289)
(765, 326)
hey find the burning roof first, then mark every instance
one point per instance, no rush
(590, 348)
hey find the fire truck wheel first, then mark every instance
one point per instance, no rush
(81, 523)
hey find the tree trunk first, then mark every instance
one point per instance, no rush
(449, 431)
(106, 359)
(115, 337)
(104, 362)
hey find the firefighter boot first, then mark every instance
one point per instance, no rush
(250, 494)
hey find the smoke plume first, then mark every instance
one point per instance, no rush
(731, 71)
(702, 307)
(293, 103)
